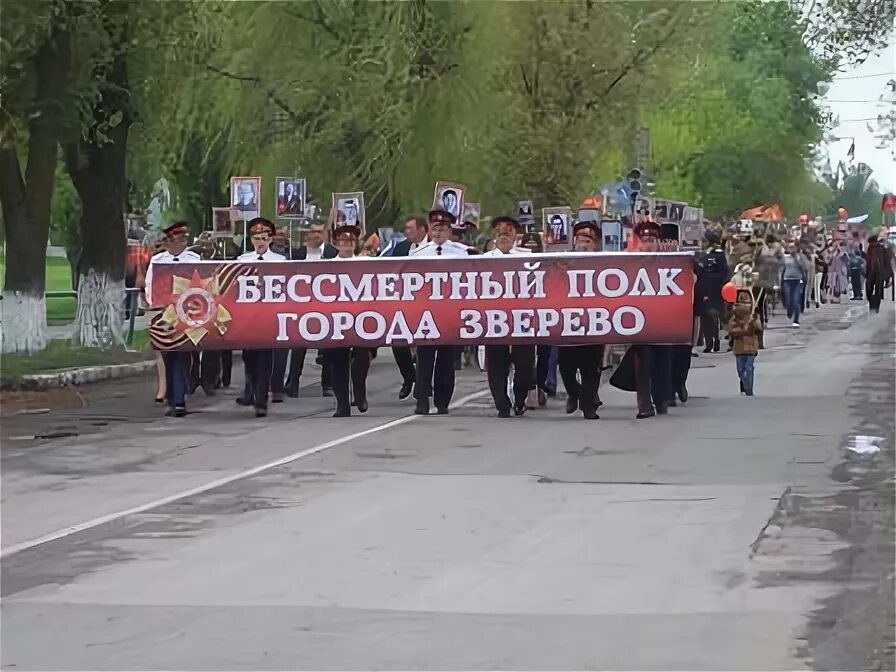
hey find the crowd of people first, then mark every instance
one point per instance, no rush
(522, 377)
(801, 271)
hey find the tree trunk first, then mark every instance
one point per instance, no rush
(26, 200)
(97, 165)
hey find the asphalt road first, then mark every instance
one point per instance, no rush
(734, 533)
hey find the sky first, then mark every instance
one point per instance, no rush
(853, 96)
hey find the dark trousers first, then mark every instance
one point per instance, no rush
(709, 319)
(348, 365)
(542, 367)
(405, 361)
(176, 364)
(793, 298)
(259, 365)
(498, 360)
(874, 291)
(278, 370)
(205, 367)
(681, 366)
(297, 365)
(855, 279)
(586, 361)
(226, 367)
(435, 374)
(653, 377)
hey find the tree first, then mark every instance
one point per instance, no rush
(36, 62)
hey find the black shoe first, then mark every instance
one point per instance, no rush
(292, 392)
(442, 410)
(209, 390)
(160, 401)
(572, 405)
(645, 414)
(683, 394)
(342, 413)
(328, 392)
(542, 398)
(597, 402)
(277, 398)
(519, 409)
(694, 354)
(504, 413)
(717, 347)
(406, 389)
(662, 409)
(362, 406)
(422, 408)
(243, 402)
(707, 350)
(176, 412)
(261, 411)
(591, 415)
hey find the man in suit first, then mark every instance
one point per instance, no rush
(416, 231)
(315, 249)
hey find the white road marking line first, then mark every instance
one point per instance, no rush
(247, 473)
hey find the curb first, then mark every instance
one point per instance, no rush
(79, 376)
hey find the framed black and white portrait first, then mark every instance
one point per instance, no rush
(245, 196)
(472, 212)
(348, 210)
(224, 222)
(449, 196)
(525, 214)
(290, 193)
(555, 225)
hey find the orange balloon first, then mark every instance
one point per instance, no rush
(729, 292)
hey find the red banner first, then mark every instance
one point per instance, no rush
(559, 299)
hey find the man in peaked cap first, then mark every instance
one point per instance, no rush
(435, 363)
(259, 363)
(176, 363)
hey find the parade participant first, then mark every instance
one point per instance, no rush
(646, 368)
(744, 328)
(585, 361)
(793, 282)
(877, 273)
(259, 363)
(435, 363)
(416, 231)
(348, 365)
(315, 248)
(205, 365)
(499, 358)
(176, 363)
(708, 291)
(680, 355)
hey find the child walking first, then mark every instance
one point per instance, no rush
(744, 328)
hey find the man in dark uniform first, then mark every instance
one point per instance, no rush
(653, 372)
(259, 363)
(314, 249)
(416, 231)
(435, 363)
(580, 365)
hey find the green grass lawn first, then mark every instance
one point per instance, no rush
(59, 278)
(61, 354)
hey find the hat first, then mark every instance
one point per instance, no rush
(175, 229)
(646, 229)
(506, 220)
(441, 217)
(261, 225)
(588, 228)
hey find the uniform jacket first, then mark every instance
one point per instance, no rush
(714, 274)
(301, 253)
